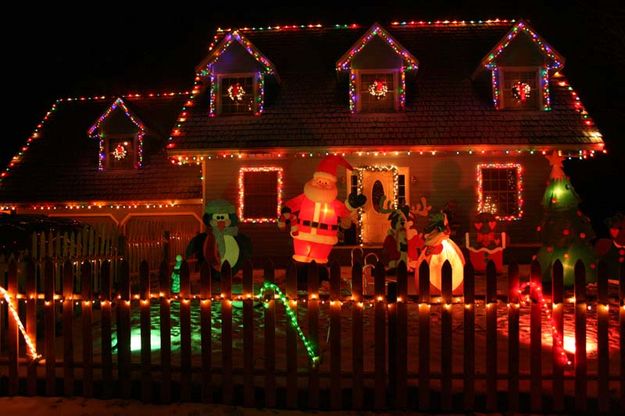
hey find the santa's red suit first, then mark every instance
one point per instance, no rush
(317, 218)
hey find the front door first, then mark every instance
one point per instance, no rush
(375, 224)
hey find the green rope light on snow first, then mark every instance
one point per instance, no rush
(310, 349)
(175, 275)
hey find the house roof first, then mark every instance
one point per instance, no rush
(61, 163)
(444, 105)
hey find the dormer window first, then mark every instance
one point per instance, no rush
(235, 72)
(237, 94)
(520, 65)
(120, 134)
(377, 92)
(377, 66)
(520, 89)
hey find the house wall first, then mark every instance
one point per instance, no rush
(440, 178)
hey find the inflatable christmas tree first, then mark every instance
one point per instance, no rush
(565, 233)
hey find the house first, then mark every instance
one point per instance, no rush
(460, 112)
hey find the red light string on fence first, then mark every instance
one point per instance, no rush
(558, 340)
(32, 350)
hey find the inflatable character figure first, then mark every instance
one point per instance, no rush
(222, 241)
(315, 215)
(486, 244)
(438, 249)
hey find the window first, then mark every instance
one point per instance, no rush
(500, 189)
(119, 152)
(401, 190)
(260, 193)
(237, 95)
(521, 89)
(377, 92)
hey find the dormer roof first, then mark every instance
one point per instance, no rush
(554, 60)
(117, 108)
(376, 31)
(229, 39)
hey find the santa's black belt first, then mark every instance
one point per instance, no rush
(315, 224)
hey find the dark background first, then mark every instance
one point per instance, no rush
(109, 48)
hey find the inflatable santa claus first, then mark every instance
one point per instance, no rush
(314, 217)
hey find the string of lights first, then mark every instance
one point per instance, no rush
(279, 182)
(482, 201)
(32, 349)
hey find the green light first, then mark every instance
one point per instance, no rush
(175, 275)
(310, 349)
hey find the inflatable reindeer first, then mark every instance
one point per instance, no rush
(404, 240)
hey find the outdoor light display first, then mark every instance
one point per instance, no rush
(378, 89)
(236, 92)
(521, 91)
(487, 205)
(279, 184)
(95, 131)
(120, 152)
(32, 350)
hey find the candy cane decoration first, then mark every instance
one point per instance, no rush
(32, 350)
(558, 342)
(310, 349)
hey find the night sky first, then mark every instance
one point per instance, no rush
(60, 51)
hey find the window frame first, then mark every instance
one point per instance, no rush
(396, 72)
(219, 95)
(279, 185)
(537, 79)
(519, 189)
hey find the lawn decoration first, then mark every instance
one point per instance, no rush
(565, 232)
(404, 242)
(438, 249)
(612, 250)
(222, 240)
(314, 216)
(486, 244)
(32, 350)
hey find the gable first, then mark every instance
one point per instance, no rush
(118, 123)
(235, 59)
(377, 54)
(521, 52)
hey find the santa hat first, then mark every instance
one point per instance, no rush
(327, 167)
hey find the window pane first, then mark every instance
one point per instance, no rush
(500, 191)
(260, 195)
(377, 93)
(237, 95)
(520, 90)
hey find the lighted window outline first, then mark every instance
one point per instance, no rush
(519, 190)
(279, 185)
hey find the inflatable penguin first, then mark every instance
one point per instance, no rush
(222, 241)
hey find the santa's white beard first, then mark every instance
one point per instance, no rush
(319, 194)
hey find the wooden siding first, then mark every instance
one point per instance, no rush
(440, 178)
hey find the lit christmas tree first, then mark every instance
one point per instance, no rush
(565, 232)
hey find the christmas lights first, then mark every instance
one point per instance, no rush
(32, 350)
(344, 62)
(279, 183)
(236, 92)
(272, 287)
(378, 89)
(521, 91)
(120, 152)
(483, 204)
(556, 60)
(536, 289)
(119, 103)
